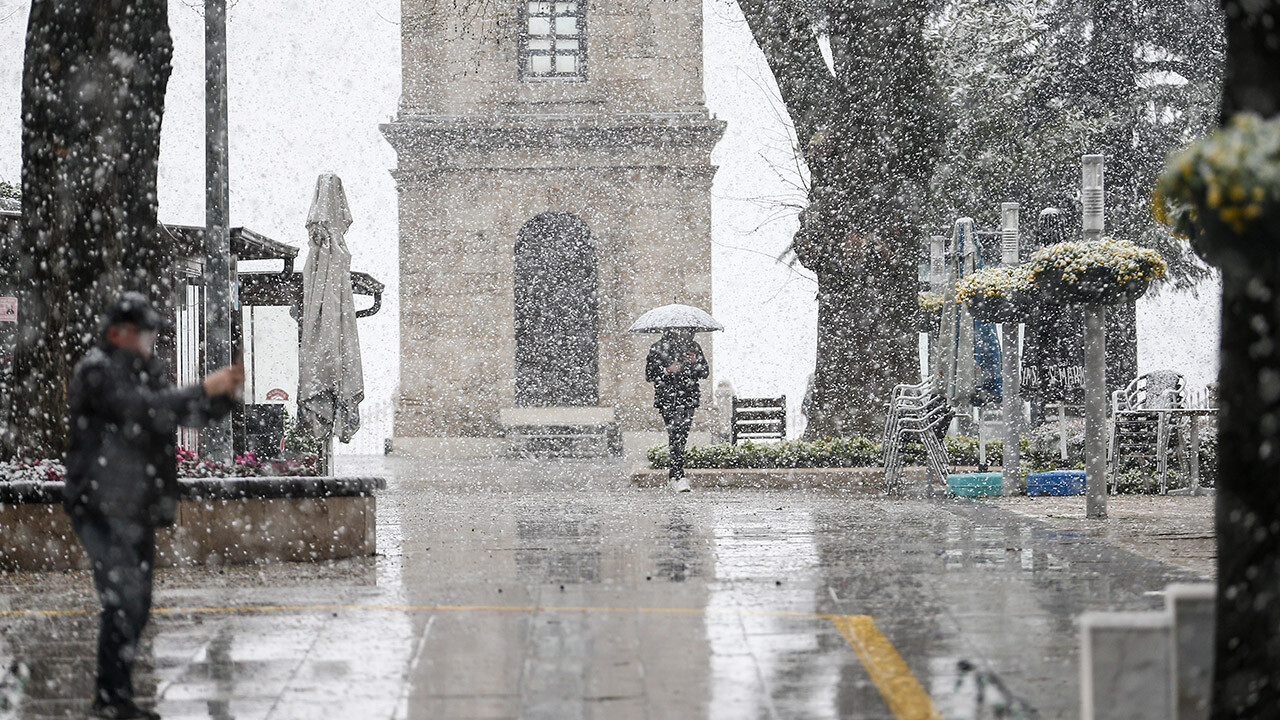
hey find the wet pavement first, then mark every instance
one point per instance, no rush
(1169, 529)
(555, 590)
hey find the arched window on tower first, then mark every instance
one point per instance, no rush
(553, 40)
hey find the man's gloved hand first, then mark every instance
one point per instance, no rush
(226, 381)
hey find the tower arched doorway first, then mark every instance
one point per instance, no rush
(556, 313)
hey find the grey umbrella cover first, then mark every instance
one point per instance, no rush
(330, 375)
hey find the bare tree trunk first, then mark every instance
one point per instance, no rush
(870, 133)
(867, 343)
(93, 89)
(1247, 652)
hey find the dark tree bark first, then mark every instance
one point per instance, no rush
(1247, 653)
(93, 89)
(870, 133)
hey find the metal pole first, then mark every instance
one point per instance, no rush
(937, 281)
(1062, 431)
(1095, 411)
(1012, 409)
(1095, 351)
(1009, 381)
(216, 438)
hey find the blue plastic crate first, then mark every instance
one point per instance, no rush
(1057, 482)
(990, 484)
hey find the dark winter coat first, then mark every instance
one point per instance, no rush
(675, 390)
(124, 422)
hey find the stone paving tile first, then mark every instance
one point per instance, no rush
(669, 575)
(216, 709)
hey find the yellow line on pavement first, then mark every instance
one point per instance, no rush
(907, 700)
(900, 689)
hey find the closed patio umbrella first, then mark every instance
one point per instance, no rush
(330, 377)
(957, 324)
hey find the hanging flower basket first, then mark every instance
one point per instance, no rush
(930, 312)
(1003, 295)
(1223, 192)
(1095, 273)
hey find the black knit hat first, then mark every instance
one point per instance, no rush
(132, 308)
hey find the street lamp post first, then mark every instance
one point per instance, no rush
(1095, 353)
(1010, 390)
(216, 438)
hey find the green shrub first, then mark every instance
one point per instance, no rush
(1044, 452)
(825, 452)
(963, 451)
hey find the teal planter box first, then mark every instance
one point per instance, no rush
(989, 484)
(1057, 482)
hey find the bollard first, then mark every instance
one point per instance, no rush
(1125, 666)
(1192, 608)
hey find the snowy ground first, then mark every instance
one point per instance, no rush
(556, 590)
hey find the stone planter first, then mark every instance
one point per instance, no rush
(1015, 308)
(862, 481)
(220, 521)
(868, 481)
(929, 322)
(1095, 273)
(1094, 287)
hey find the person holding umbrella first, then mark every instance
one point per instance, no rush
(675, 366)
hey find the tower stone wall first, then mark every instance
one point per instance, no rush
(482, 151)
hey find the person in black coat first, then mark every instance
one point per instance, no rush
(675, 365)
(122, 477)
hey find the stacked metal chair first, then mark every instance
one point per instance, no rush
(1140, 429)
(915, 413)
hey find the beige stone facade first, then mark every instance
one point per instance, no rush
(483, 151)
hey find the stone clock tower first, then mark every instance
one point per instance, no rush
(554, 183)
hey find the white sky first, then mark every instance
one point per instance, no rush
(310, 80)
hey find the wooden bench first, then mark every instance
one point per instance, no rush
(758, 419)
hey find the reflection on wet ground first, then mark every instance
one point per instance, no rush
(555, 590)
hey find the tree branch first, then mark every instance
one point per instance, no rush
(788, 38)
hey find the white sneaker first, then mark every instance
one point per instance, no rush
(683, 486)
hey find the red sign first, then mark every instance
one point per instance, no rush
(277, 394)
(9, 309)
